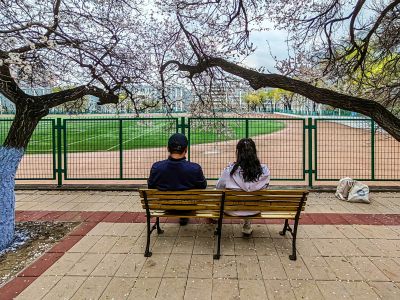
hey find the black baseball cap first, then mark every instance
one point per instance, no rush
(177, 142)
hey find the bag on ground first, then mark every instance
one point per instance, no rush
(343, 188)
(359, 193)
(352, 191)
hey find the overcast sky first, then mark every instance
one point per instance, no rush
(262, 56)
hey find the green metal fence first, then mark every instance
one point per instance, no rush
(114, 149)
(304, 150)
(356, 148)
(39, 161)
(213, 142)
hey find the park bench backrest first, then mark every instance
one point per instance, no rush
(182, 200)
(266, 200)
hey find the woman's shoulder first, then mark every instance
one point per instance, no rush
(265, 169)
(229, 167)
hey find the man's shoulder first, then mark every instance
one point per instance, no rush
(159, 163)
(193, 165)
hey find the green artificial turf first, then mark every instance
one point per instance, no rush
(99, 134)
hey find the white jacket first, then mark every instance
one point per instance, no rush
(236, 181)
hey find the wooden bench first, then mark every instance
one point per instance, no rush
(272, 204)
(181, 204)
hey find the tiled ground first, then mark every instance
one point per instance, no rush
(361, 262)
(107, 262)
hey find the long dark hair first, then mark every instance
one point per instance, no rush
(247, 160)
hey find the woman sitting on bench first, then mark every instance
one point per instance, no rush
(246, 174)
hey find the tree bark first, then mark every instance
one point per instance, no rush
(11, 153)
(9, 161)
(24, 124)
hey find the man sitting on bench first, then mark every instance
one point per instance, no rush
(176, 173)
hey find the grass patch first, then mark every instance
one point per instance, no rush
(90, 135)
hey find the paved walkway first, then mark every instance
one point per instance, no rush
(342, 253)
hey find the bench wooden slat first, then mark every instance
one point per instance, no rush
(184, 197)
(150, 192)
(182, 207)
(268, 215)
(260, 208)
(189, 214)
(268, 197)
(187, 202)
(264, 203)
(267, 192)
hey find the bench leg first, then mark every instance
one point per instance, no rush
(219, 234)
(294, 234)
(147, 253)
(159, 230)
(285, 227)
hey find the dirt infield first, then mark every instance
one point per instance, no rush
(341, 151)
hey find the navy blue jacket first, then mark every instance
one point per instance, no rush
(176, 175)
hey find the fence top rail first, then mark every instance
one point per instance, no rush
(117, 119)
(42, 120)
(250, 119)
(190, 118)
(343, 119)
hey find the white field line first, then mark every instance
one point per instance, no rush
(93, 137)
(89, 138)
(39, 141)
(135, 137)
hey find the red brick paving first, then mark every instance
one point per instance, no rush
(69, 216)
(14, 287)
(140, 217)
(113, 217)
(41, 265)
(65, 244)
(83, 229)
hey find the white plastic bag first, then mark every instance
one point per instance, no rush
(343, 188)
(359, 193)
(352, 191)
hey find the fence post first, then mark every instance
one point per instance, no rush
(310, 152)
(372, 149)
(59, 128)
(182, 125)
(121, 155)
(188, 137)
(247, 128)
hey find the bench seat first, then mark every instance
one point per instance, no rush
(272, 204)
(187, 214)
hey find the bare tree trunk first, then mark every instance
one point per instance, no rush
(25, 121)
(11, 153)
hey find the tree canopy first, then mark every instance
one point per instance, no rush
(330, 43)
(350, 48)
